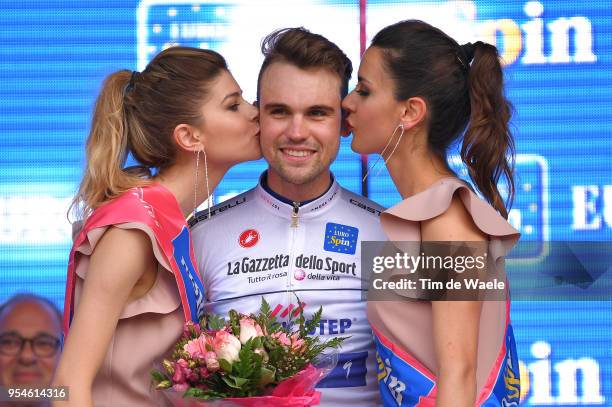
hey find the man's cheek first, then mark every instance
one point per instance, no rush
(5, 373)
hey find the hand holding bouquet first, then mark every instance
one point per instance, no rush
(248, 360)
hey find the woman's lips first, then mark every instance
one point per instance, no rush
(349, 126)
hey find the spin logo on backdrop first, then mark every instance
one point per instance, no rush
(340, 238)
(529, 213)
(530, 209)
(528, 38)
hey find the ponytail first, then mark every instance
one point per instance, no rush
(488, 147)
(107, 149)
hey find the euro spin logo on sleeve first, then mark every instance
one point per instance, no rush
(340, 238)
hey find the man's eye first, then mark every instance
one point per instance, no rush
(318, 113)
(277, 112)
(45, 344)
(9, 341)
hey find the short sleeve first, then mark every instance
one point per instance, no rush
(162, 298)
(401, 221)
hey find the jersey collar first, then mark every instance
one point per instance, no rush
(283, 207)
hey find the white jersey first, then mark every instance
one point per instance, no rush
(255, 245)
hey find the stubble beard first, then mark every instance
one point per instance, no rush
(297, 175)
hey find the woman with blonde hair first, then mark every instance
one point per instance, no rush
(418, 93)
(132, 283)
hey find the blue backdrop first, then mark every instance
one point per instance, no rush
(54, 55)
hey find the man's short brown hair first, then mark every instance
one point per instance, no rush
(300, 47)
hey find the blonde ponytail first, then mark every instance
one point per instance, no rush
(107, 149)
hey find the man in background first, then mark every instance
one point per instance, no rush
(30, 332)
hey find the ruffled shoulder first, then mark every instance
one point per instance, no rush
(162, 298)
(400, 222)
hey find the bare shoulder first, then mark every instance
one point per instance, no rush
(455, 224)
(120, 242)
(122, 254)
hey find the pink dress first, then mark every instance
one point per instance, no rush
(149, 326)
(403, 328)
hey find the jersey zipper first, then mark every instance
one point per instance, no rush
(294, 215)
(294, 226)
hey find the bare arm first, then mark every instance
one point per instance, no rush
(455, 323)
(118, 262)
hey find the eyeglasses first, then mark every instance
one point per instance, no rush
(43, 345)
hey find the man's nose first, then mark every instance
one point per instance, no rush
(27, 356)
(297, 129)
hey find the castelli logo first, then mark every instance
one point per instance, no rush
(248, 238)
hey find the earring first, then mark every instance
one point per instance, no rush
(195, 189)
(396, 144)
(401, 127)
(210, 197)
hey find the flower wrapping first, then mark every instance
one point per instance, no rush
(296, 391)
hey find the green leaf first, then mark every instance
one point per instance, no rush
(195, 392)
(225, 365)
(234, 382)
(314, 321)
(265, 307)
(267, 376)
(234, 323)
(164, 384)
(216, 322)
(157, 376)
(257, 342)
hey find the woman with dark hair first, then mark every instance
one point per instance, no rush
(419, 92)
(132, 282)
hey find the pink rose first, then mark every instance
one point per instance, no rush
(196, 348)
(212, 363)
(296, 342)
(249, 329)
(180, 387)
(226, 346)
(182, 373)
(282, 338)
(178, 377)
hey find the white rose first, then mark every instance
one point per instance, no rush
(249, 329)
(226, 346)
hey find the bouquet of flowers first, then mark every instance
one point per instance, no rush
(250, 360)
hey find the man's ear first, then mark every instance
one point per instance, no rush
(188, 138)
(344, 130)
(414, 112)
